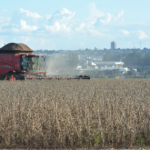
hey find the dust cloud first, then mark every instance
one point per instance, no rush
(54, 65)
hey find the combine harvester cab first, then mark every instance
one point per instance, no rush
(18, 63)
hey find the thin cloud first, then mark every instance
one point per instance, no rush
(25, 39)
(120, 14)
(94, 12)
(4, 10)
(23, 22)
(60, 22)
(4, 20)
(26, 27)
(81, 43)
(142, 35)
(107, 19)
(125, 32)
(80, 27)
(57, 27)
(30, 14)
(32, 18)
(67, 15)
(48, 17)
(110, 18)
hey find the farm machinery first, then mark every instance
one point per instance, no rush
(18, 63)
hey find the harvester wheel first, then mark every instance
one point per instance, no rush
(20, 77)
(4, 77)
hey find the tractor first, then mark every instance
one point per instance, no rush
(17, 62)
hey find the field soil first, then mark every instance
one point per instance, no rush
(82, 114)
(133, 148)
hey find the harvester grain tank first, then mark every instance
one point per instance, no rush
(18, 62)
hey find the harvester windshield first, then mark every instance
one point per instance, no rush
(30, 63)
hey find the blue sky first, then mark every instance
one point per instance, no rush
(80, 24)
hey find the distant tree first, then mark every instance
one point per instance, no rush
(112, 57)
(101, 75)
(131, 73)
(95, 48)
(108, 57)
(144, 48)
(93, 74)
(115, 71)
(146, 61)
(87, 49)
(134, 59)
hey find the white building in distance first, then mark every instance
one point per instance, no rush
(109, 64)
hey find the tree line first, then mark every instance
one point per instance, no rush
(131, 59)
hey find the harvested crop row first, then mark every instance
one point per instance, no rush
(75, 113)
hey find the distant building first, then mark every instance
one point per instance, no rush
(105, 64)
(111, 65)
(113, 45)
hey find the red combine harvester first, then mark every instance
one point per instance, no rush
(18, 63)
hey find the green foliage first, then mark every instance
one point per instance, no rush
(97, 139)
(144, 72)
(5, 78)
(142, 141)
(131, 59)
(134, 59)
(87, 144)
(131, 74)
(146, 60)
(93, 73)
(111, 57)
